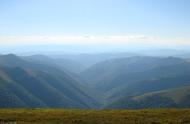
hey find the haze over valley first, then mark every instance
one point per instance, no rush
(102, 80)
(94, 61)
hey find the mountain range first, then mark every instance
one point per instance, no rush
(28, 84)
(114, 81)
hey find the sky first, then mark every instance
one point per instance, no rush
(90, 22)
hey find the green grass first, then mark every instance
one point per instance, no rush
(71, 116)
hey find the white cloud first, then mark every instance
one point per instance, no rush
(91, 39)
(70, 39)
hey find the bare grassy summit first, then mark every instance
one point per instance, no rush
(71, 116)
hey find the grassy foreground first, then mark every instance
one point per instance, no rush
(70, 116)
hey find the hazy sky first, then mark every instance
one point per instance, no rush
(151, 22)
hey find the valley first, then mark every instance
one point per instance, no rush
(114, 82)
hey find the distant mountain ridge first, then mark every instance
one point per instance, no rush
(117, 82)
(132, 76)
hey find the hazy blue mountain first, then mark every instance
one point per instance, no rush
(118, 71)
(13, 94)
(74, 63)
(126, 77)
(172, 98)
(112, 82)
(53, 89)
(162, 52)
(70, 65)
(61, 63)
(40, 59)
(11, 60)
(88, 60)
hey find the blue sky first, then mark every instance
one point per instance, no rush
(163, 22)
